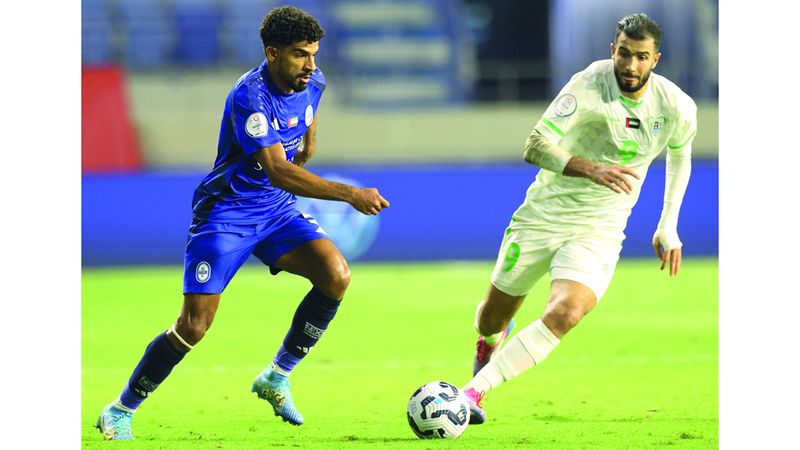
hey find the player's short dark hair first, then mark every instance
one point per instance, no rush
(639, 26)
(287, 25)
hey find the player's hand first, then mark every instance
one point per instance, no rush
(368, 201)
(667, 255)
(614, 177)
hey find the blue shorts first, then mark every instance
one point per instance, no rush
(215, 251)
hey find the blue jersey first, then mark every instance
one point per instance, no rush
(257, 115)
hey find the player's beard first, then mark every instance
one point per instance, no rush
(298, 85)
(294, 81)
(635, 88)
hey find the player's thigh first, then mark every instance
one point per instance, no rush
(300, 246)
(318, 260)
(214, 252)
(589, 261)
(523, 258)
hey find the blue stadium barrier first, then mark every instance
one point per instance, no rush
(439, 212)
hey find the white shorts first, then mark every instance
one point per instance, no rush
(529, 250)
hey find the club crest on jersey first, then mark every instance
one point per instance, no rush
(309, 115)
(656, 124)
(566, 105)
(203, 272)
(256, 125)
(632, 122)
(293, 122)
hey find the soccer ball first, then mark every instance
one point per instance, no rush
(438, 410)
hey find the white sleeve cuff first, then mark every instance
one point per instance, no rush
(541, 152)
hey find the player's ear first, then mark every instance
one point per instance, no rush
(272, 53)
(655, 59)
(611, 46)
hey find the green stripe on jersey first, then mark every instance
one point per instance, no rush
(552, 126)
(629, 102)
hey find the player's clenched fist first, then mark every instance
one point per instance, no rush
(368, 201)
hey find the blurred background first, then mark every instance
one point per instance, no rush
(429, 101)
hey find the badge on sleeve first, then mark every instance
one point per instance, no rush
(309, 115)
(256, 125)
(566, 105)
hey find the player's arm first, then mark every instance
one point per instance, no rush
(541, 152)
(299, 181)
(302, 155)
(666, 243)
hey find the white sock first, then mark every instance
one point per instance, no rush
(276, 368)
(526, 349)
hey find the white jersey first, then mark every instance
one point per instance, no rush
(591, 119)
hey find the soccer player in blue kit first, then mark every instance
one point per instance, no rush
(245, 206)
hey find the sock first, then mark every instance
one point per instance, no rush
(492, 338)
(526, 349)
(310, 320)
(158, 360)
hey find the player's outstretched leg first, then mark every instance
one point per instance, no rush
(115, 423)
(274, 388)
(485, 350)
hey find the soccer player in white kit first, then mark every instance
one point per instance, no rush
(594, 145)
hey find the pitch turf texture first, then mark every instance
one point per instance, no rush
(640, 372)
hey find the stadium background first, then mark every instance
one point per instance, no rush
(430, 101)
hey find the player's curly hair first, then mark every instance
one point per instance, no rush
(639, 26)
(287, 25)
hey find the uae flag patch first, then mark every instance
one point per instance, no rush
(293, 122)
(632, 122)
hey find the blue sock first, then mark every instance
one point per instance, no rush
(310, 320)
(158, 360)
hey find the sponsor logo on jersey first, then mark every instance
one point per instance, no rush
(632, 122)
(293, 122)
(256, 125)
(309, 115)
(203, 272)
(656, 124)
(566, 105)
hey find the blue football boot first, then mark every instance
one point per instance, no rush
(115, 423)
(274, 388)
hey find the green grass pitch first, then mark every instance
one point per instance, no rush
(640, 372)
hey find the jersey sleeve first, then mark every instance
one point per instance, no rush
(250, 121)
(563, 112)
(686, 127)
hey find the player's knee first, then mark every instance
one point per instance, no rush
(193, 331)
(337, 280)
(564, 315)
